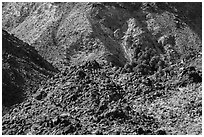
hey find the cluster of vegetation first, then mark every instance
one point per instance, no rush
(145, 62)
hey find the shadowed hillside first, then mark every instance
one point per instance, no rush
(125, 68)
(23, 70)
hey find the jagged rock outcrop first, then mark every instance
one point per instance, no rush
(23, 70)
(116, 53)
(121, 32)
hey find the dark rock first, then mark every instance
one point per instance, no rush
(69, 129)
(190, 75)
(148, 132)
(93, 65)
(195, 77)
(140, 131)
(40, 95)
(56, 120)
(161, 132)
(81, 74)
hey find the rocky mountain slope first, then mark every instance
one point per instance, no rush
(125, 68)
(58, 30)
(52, 28)
(23, 70)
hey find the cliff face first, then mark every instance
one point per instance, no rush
(23, 70)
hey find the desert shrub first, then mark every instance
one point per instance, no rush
(146, 61)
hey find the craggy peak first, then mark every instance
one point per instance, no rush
(101, 68)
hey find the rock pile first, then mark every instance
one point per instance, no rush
(99, 100)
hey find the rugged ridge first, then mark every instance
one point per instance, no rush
(60, 30)
(124, 68)
(23, 70)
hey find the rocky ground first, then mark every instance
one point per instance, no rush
(23, 70)
(124, 68)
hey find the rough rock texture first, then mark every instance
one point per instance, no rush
(61, 30)
(39, 26)
(96, 99)
(121, 31)
(116, 51)
(23, 70)
(125, 68)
